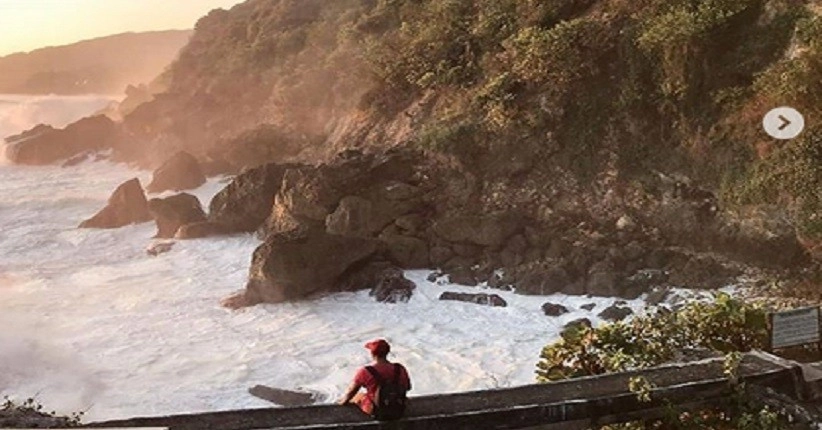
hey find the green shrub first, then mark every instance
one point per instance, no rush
(725, 325)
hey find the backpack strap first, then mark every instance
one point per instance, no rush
(397, 372)
(374, 373)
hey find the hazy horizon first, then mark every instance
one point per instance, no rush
(28, 25)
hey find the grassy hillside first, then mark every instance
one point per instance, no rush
(516, 87)
(104, 65)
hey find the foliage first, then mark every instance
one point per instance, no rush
(674, 85)
(725, 325)
(30, 414)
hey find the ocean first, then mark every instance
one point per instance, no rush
(89, 322)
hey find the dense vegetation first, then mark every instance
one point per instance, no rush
(724, 325)
(519, 85)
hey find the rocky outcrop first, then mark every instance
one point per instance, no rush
(759, 235)
(296, 264)
(179, 173)
(245, 204)
(493, 300)
(173, 212)
(45, 144)
(127, 205)
(419, 211)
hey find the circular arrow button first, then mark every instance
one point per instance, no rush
(783, 123)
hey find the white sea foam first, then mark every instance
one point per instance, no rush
(90, 321)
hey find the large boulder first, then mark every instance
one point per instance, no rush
(46, 145)
(295, 264)
(486, 230)
(127, 205)
(245, 204)
(180, 172)
(173, 212)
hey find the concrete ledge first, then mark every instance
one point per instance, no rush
(570, 404)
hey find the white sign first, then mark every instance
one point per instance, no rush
(795, 327)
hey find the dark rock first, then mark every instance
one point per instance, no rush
(365, 275)
(495, 281)
(173, 212)
(433, 277)
(245, 204)
(46, 145)
(159, 248)
(393, 287)
(633, 251)
(293, 265)
(407, 252)
(489, 230)
(588, 307)
(459, 263)
(479, 298)
(440, 255)
(659, 258)
(127, 205)
(602, 283)
(180, 172)
(575, 288)
(533, 255)
(462, 276)
(615, 313)
(306, 193)
(513, 254)
(467, 250)
(702, 272)
(395, 190)
(557, 249)
(541, 282)
(642, 280)
(200, 229)
(554, 310)
(411, 223)
(353, 217)
(657, 296)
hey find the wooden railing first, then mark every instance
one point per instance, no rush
(570, 404)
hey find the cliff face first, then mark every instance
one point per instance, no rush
(101, 66)
(591, 95)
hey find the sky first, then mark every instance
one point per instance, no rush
(30, 24)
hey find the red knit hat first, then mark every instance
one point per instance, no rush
(378, 347)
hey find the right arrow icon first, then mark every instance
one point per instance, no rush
(783, 123)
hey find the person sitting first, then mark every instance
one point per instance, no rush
(385, 383)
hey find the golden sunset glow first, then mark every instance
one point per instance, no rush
(30, 24)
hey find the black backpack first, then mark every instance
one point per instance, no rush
(390, 399)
